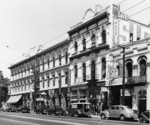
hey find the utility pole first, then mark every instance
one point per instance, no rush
(35, 70)
(123, 75)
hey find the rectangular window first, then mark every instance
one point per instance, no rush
(43, 82)
(131, 37)
(66, 77)
(43, 65)
(53, 61)
(76, 72)
(66, 57)
(48, 81)
(53, 80)
(84, 72)
(60, 60)
(48, 63)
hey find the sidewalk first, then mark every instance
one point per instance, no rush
(95, 116)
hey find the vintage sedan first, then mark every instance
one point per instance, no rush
(79, 109)
(119, 111)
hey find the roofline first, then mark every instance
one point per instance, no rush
(66, 41)
(88, 22)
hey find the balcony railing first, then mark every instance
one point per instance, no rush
(136, 79)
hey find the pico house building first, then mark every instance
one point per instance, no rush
(92, 46)
(41, 80)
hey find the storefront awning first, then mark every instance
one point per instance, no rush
(14, 99)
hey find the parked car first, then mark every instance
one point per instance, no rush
(144, 117)
(119, 111)
(23, 109)
(57, 111)
(79, 109)
(13, 108)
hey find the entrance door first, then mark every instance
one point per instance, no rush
(142, 101)
(142, 105)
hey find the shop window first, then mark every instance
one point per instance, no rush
(84, 44)
(103, 34)
(129, 69)
(84, 72)
(93, 70)
(103, 68)
(142, 67)
(93, 39)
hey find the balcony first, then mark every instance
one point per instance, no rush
(136, 79)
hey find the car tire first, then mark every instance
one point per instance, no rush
(122, 118)
(76, 114)
(141, 120)
(103, 116)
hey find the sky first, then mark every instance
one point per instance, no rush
(28, 23)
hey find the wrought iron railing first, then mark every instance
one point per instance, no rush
(137, 79)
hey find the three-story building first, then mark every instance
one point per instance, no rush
(41, 79)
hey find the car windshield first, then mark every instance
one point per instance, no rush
(129, 107)
(86, 107)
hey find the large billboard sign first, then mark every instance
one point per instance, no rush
(131, 31)
(126, 30)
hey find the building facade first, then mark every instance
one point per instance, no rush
(92, 42)
(88, 66)
(137, 82)
(42, 79)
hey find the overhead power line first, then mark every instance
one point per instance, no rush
(134, 5)
(54, 38)
(139, 11)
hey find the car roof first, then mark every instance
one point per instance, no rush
(80, 103)
(119, 105)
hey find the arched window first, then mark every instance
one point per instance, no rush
(84, 44)
(103, 68)
(129, 68)
(60, 59)
(93, 70)
(142, 66)
(93, 39)
(84, 72)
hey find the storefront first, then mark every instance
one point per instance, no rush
(15, 100)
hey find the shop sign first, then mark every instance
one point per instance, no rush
(116, 82)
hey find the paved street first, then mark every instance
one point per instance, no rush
(7, 118)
